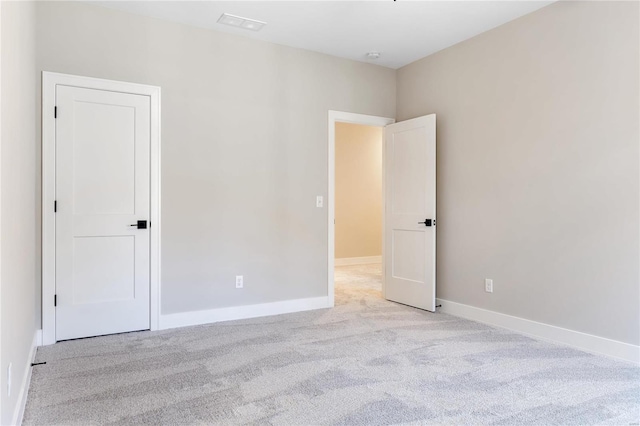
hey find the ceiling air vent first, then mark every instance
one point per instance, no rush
(240, 22)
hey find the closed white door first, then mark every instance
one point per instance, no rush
(410, 209)
(102, 189)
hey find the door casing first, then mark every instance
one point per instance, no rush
(49, 82)
(346, 117)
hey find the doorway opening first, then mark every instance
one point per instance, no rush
(358, 211)
(356, 206)
(408, 256)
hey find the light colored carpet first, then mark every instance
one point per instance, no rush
(365, 362)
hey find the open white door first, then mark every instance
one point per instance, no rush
(410, 209)
(103, 208)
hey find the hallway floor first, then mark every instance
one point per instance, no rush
(358, 282)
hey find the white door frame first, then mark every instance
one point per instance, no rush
(49, 82)
(1, 197)
(346, 117)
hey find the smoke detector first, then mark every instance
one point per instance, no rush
(373, 55)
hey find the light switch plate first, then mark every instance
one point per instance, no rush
(319, 201)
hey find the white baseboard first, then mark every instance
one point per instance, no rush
(577, 339)
(24, 386)
(343, 261)
(185, 319)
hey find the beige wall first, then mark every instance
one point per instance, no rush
(244, 145)
(538, 171)
(19, 282)
(358, 200)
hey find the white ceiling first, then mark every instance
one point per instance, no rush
(403, 31)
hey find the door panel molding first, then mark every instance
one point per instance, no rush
(49, 82)
(345, 117)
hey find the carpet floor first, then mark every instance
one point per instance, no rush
(365, 362)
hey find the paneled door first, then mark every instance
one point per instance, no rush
(410, 208)
(102, 212)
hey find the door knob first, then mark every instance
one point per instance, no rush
(142, 224)
(428, 222)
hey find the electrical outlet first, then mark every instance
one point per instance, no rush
(488, 285)
(9, 379)
(319, 201)
(239, 281)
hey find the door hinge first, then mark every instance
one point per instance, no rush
(55, 206)
(55, 300)
(55, 112)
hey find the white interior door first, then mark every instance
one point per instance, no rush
(410, 201)
(102, 188)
